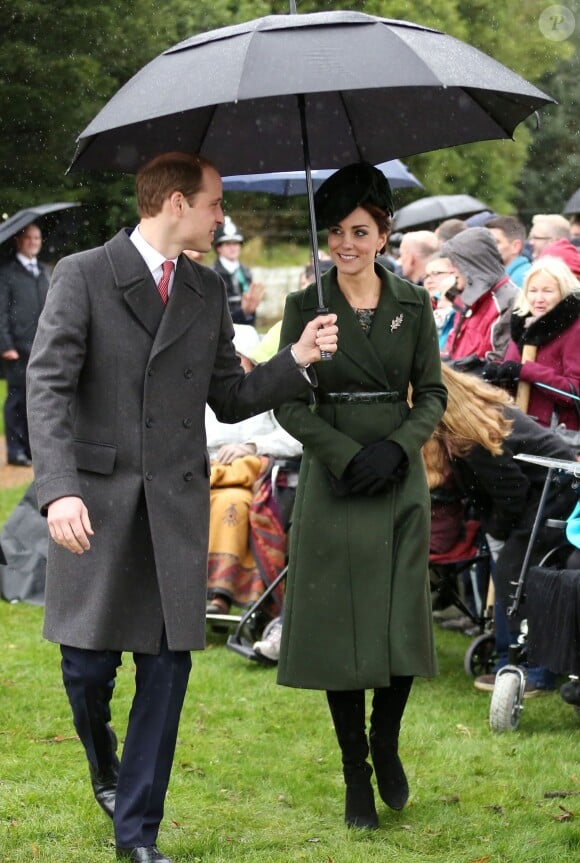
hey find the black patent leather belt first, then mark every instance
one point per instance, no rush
(359, 398)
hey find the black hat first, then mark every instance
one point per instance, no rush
(349, 188)
(227, 233)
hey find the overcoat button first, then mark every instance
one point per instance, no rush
(150, 371)
(149, 422)
(188, 373)
(148, 475)
(187, 422)
(188, 476)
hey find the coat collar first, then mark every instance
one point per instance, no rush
(546, 328)
(134, 280)
(399, 302)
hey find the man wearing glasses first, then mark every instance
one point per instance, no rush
(547, 229)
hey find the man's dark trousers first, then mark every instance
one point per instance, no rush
(16, 423)
(160, 686)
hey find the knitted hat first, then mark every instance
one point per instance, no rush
(349, 188)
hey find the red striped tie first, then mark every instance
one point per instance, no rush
(163, 283)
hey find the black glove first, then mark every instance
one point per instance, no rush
(375, 466)
(502, 374)
(471, 363)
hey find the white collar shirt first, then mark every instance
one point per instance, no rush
(153, 259)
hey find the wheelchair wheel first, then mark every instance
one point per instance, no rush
(480, 656)
(506, 706)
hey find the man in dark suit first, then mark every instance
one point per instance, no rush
(133, 341)
(23, 286)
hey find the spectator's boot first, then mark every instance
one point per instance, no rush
(388, 706)
(348, 714)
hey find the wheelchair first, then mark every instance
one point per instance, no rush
(552, 594)
(469, 559)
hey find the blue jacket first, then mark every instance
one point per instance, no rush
(517, 269)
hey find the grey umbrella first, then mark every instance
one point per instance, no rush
(435, 208)
(573, 204)
(288, 92)
(289, 183)
(22, 218)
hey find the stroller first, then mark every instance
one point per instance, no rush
(552, 594)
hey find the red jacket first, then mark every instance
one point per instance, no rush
(483, 327)
(556, 336)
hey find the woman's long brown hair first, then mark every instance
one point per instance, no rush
(474, 415)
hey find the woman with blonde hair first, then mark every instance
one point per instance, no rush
(546, 317)
(472, 453)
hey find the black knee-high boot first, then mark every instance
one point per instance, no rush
(388, 707)
(348, 714)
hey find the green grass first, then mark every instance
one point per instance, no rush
(257, 775)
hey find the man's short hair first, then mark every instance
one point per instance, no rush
(510, 226)
(421, 243)
(449, 228)
(558, 226)
(165, 174)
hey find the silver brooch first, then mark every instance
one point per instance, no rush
(396, 322)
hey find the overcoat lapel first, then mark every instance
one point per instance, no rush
(390, 322)
(185, 304)
(165, 324)
(135, 281)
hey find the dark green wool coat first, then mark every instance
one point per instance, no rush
(357, 607)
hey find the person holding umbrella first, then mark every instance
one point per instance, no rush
(133, 340)
(358, 559)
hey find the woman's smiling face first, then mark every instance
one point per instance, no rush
(354, 242)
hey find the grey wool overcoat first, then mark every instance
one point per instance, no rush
(357, 605)
(117, 388)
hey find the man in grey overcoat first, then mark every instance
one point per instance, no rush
(23, 285)
(133, 341)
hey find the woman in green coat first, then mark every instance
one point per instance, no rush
(357, 610)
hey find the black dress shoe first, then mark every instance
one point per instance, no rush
(20, 460)
(104, 784)
(142, 854)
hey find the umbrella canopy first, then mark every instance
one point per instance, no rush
(369, 88)
(290, 183)
(573, 204)
(22, 218)
(436, 208)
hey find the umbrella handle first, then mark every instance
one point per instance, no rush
(325, 356)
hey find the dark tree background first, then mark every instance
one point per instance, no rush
(62, 60)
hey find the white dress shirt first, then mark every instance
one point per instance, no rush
(152, 258)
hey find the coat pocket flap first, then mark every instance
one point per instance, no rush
(95, 457)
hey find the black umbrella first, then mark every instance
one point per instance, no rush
(288, 92)
(427, 211)
(573, 204)
(22, 218)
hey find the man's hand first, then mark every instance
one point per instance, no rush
(228, 452)
(69, 524)
(252, 299)
(12, 354)
(318, 335)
